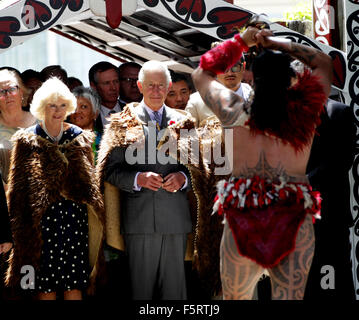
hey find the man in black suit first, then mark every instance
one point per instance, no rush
(103, 78)
(155, 216)
(128, 75)
(331, 157)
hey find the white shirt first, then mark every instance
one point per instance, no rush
(105, 113)
(244, 90)
(200, 111)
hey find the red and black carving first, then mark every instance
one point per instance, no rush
(228, 18)
(193, 13)
(339, 63)
(35, 13)
(36, 16)
(194, 9)
(151, 3)
(73, 5)
(339, 69)
(8, 25)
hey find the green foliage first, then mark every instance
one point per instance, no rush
(302, 11)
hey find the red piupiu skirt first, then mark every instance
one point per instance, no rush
(265, 216)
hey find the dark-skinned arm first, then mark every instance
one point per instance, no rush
(226, 105)
(318, 61)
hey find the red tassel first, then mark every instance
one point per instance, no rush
(113, 13)
(244, 46)
(222, 57)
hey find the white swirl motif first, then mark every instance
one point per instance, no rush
(323, 22)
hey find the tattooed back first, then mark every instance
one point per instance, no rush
(266, 157)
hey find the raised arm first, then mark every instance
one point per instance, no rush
(224, 103)
(318, 61)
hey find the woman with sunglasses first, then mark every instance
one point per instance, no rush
(13, 96)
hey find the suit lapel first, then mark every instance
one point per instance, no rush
(98, 124)
(142, 113)
(166, 116)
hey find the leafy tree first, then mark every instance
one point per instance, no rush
(303, 11)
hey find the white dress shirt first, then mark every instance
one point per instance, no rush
(105, 113)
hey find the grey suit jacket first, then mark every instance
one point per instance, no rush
(148, 211)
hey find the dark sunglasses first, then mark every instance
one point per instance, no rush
(236, 68)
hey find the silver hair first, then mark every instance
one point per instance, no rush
(90, 95)
(154, 65)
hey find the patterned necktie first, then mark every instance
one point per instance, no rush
(157, 118)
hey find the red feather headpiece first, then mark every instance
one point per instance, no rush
(306, 100)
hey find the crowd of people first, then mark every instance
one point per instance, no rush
(97, 203)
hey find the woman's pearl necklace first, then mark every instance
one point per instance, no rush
(57, 138)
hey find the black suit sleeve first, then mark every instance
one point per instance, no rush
(188, 175)
(334, 149)
(117, 172)
(5, 231)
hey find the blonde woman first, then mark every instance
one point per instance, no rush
(54, 201)
(13, 95)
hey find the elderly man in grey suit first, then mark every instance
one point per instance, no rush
(155, 216)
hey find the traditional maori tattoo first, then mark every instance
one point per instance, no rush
(264, 170)
(240, 275)
(225, 104)
(289, 277)
(306, 55)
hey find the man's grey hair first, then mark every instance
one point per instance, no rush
(154, 65)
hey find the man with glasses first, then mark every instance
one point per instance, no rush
(103, 78)
(231, 79)
(128, 73)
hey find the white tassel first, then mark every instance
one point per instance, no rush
(248, 183)
(269, 195)
(220, 186)
(215, 207)
(243, 201)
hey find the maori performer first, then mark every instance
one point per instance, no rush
(268, 204)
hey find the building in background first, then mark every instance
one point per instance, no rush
(47, 48)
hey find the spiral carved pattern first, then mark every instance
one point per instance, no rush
(352, 26)
(44, 16)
